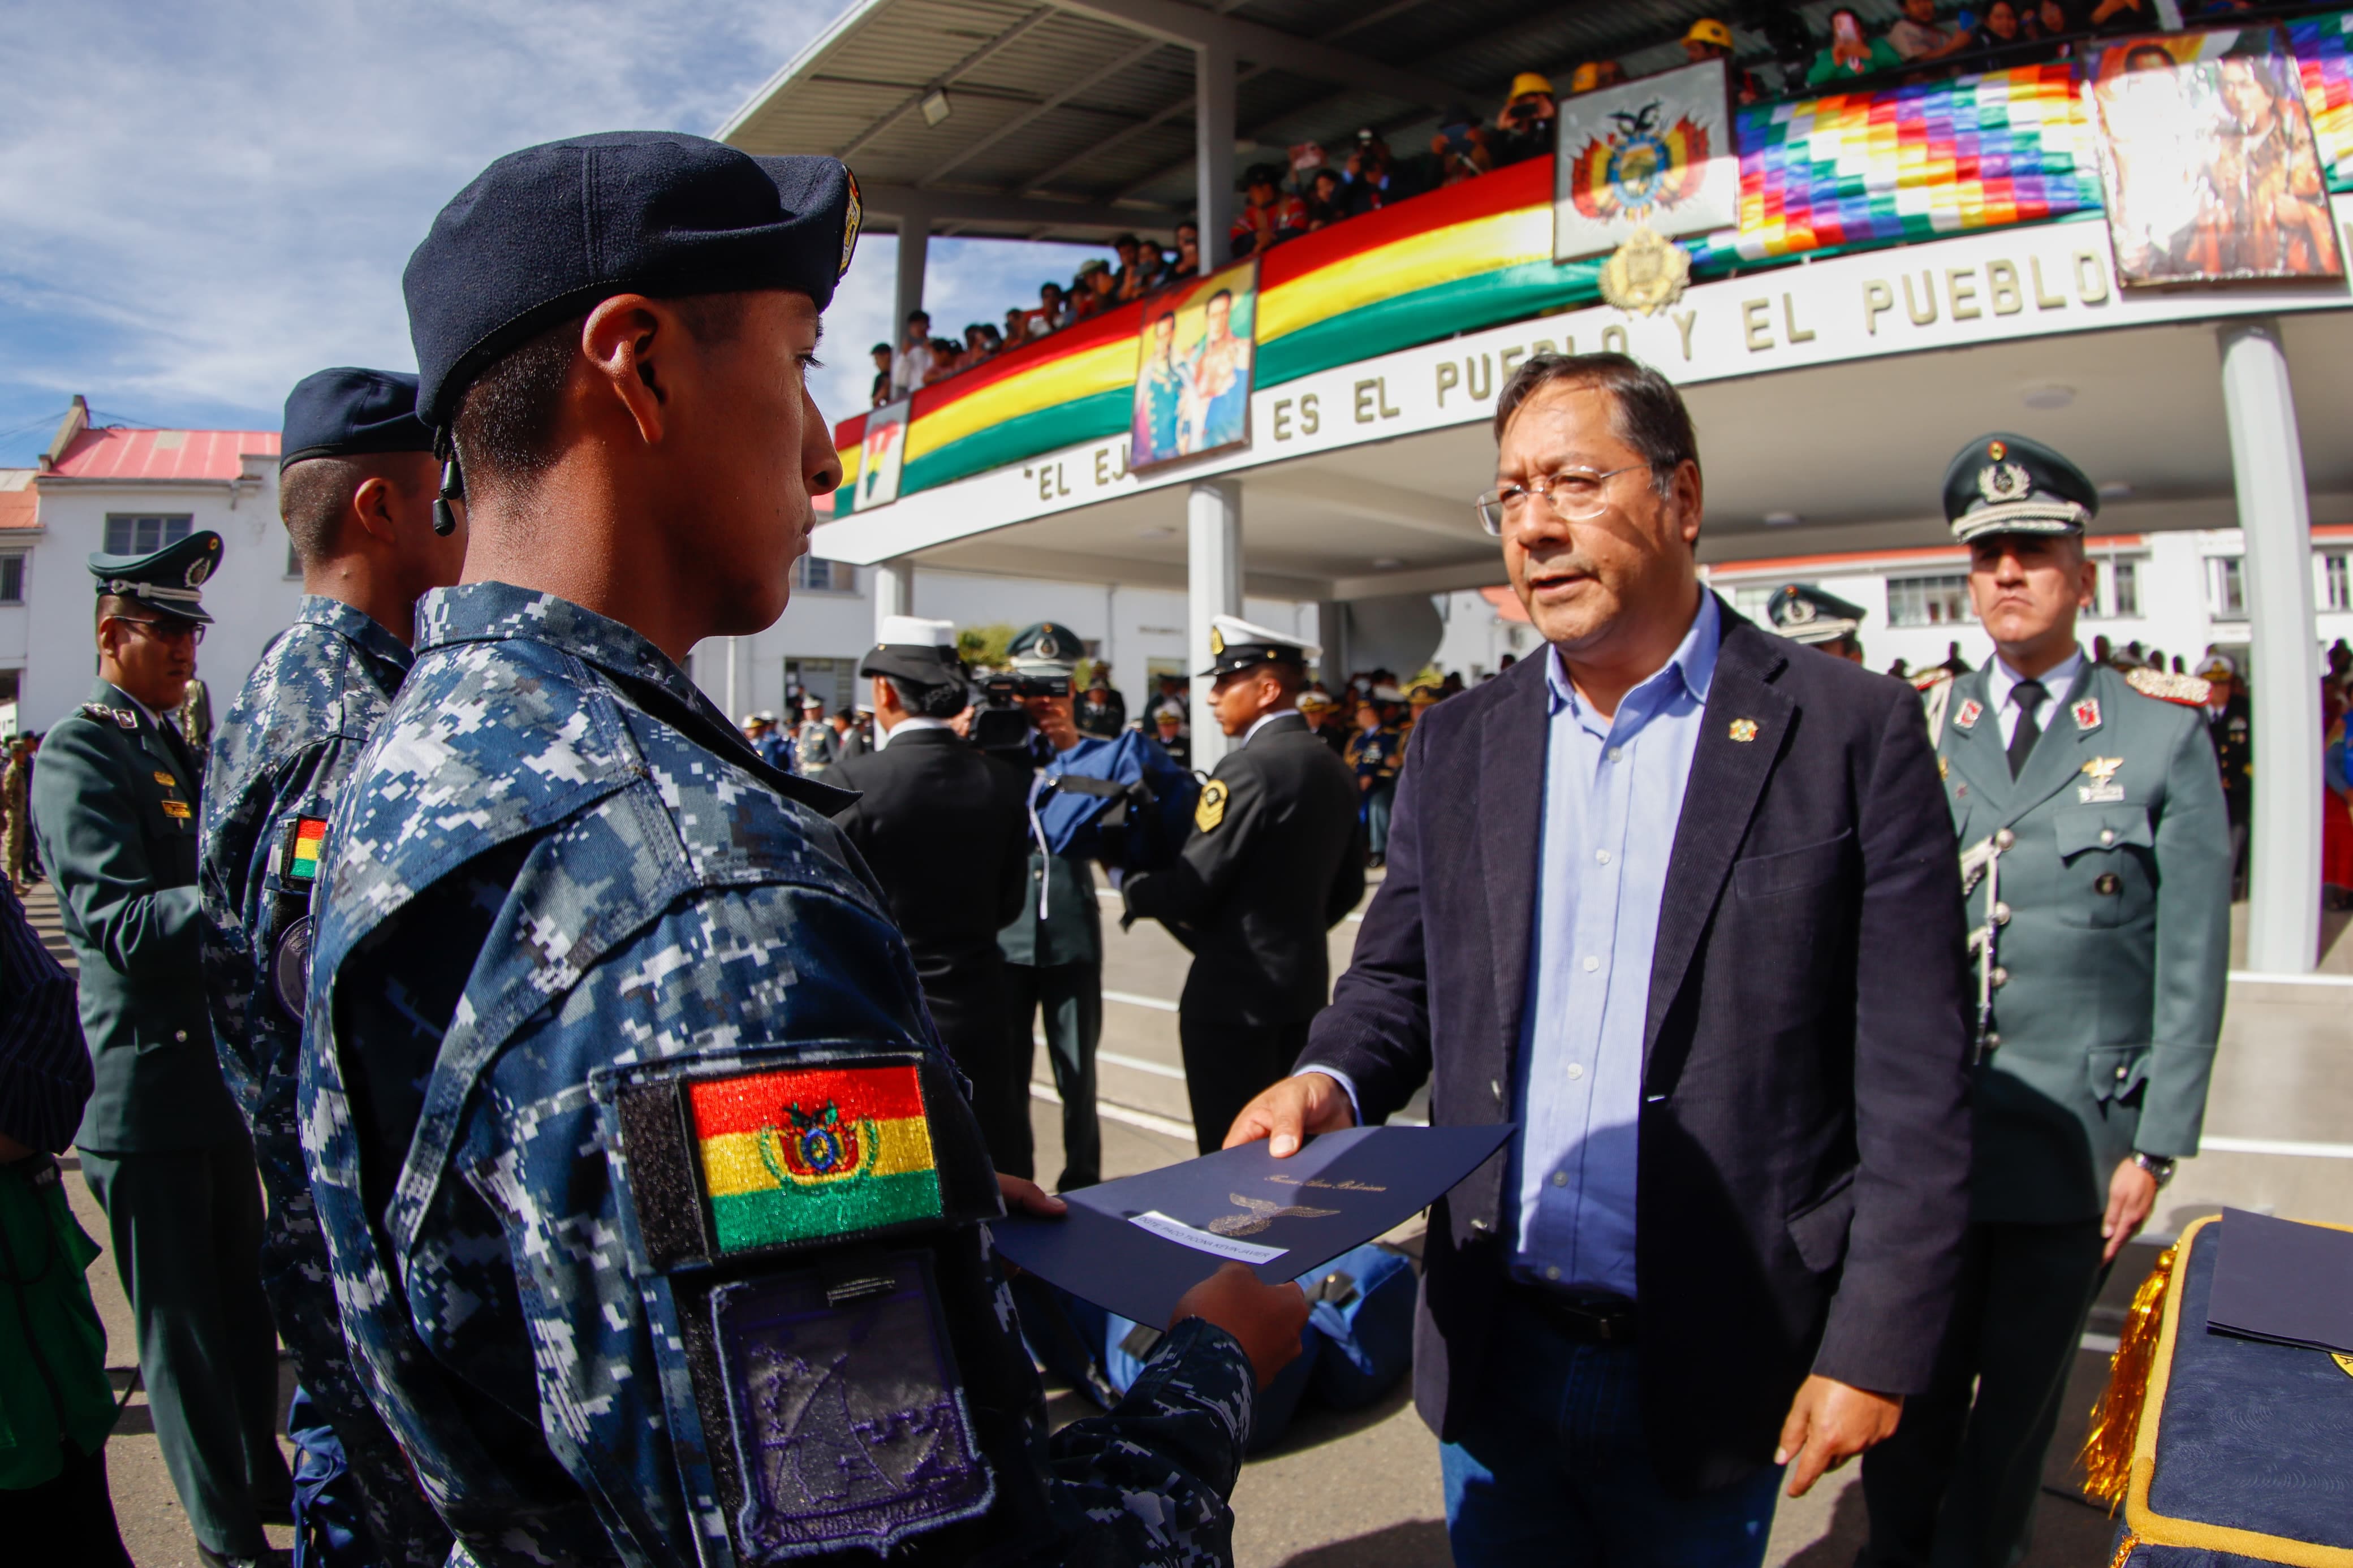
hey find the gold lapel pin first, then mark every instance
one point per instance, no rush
(1744, 729)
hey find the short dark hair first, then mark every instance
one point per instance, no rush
(943, 699)
(1647, 411)
(312, 497)
(505, 428)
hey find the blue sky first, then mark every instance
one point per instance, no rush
(201, 204)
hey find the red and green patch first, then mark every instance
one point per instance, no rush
(809, 1153)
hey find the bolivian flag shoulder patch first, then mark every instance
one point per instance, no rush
(764, 1152)
(813, 1153)
(300, 842)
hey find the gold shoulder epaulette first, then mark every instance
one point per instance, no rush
(2189, 690)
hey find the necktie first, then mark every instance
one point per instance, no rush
(2028, 695)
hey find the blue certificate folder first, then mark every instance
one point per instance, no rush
(1281, 1217)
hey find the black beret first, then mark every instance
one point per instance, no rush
(544, 233)
(346, 413)
(2008, 484)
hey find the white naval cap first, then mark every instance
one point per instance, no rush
(1237, 645)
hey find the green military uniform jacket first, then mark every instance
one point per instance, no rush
(114, 804)
(2113, 944)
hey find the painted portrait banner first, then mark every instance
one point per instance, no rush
(1656, 153)
(882, 453)
(2209, 161)
(1193, 369)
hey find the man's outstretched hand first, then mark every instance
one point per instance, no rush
(1265, 1320)
(1830, 1423)
(1285, 1114)
(1025, 1196)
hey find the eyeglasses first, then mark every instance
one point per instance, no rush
(165, 631)
(1575, 494)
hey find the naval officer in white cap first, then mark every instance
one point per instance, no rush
(1275, 860)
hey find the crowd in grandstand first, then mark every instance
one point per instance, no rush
(1322, 187)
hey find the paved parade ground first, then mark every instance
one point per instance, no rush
(1362, 1490)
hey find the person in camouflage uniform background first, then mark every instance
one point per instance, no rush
(559, 882)
(355, 490)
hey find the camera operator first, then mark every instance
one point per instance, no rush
(946, 831)
(1053, 946)
(1526, 125)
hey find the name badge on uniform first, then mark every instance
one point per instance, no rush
(2101, 771)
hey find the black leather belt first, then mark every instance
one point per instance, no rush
(1590, 1319)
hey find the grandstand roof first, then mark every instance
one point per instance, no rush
(1071, 119)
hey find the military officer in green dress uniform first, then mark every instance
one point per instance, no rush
(162, 1146)
(2097, 852)
(1275, 860)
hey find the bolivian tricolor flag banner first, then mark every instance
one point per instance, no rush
(809, 1153)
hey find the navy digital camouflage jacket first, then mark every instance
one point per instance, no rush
(560, 877)
(278, 758)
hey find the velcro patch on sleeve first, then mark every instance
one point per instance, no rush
(299, 841)
(783, 1156)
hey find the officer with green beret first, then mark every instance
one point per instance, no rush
(2097, 852)
(162, 1146)
(1819, 618)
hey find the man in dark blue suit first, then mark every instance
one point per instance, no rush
(1685, 907)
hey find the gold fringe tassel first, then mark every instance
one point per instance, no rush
(2107, 1456)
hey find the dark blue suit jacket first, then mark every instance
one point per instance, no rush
(1804, 1141)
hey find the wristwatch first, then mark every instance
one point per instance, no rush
(2162, 1169)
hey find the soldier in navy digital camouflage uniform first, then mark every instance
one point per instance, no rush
(356, 489)
(655, 1206)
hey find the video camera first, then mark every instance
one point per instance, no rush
(1000, 723)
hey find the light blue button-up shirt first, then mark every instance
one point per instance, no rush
(1613, 793)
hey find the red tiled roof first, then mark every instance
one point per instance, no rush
(20, 503)
(117, 454)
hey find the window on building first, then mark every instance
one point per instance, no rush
(2116, 590)
(2335, 582)
(1940, 601)
(12, 579)
(144, 535)
(1752, 599)
(821, 576)
(832, 681)
(2226, 588)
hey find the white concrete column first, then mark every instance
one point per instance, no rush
(915, 248)
(1214, 70)
(1331, 631)
(1213, 586)
(894, 590)
(2275, 516)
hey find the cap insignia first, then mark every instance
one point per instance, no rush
(198, 570)
(1800, 612)
(1744, 729)
(1216, 643)
(2087, 713)
(1996, 450)
(1999, 481)
(850, 220)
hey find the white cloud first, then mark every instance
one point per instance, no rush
(200, 205)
